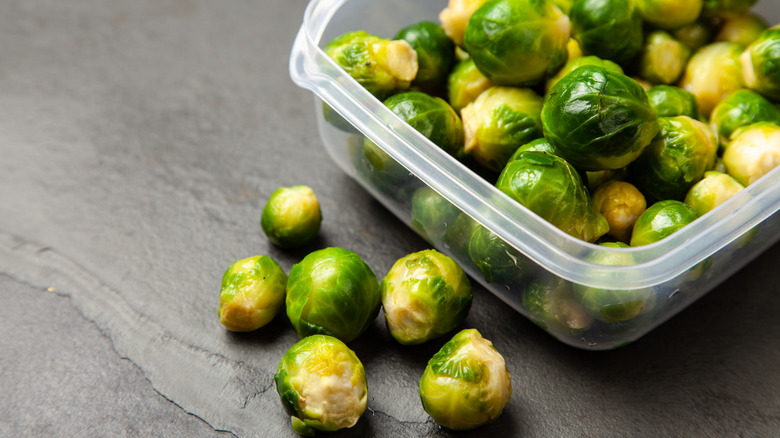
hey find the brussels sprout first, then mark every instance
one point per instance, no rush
(761, 64)
(669, 101)
(381, 171)
(499, 121)
(598, 119)
(714, 189)
(614, 305)
(425, 295)
(676, 159)
(518, 42)
(551, 188)
(382, 66)
(291, 218)
(322, 385)
(466, 384)
(753, 152)
(432, 214)
(669, 14)
(574, 64)
(498, 262)
(553, 308)
(609, 29)
(621, 204)
(695, 35)
(663, 58)
(435, 52)
(333, 292)
(712, 73)
(430, 116)
(742, 29)
(465, 83)
(660, 220)
(253, 291)
(741, 108)
(458, 235)
(455, 17)
(726, 8)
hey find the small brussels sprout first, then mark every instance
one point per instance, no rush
(726, 8)
(742, 29)
(614, 305)
(551, 188)
(621, 204)
(322, 385)
(663, 58)
(598, 119)
(695, 35)
(754, 152)
(455, 17)
(465, 83)
(291, 218)
(669, 14)
(518, 42)
(432, 214)
(714, 189)
(435, 52)
(552, 307)
(669, 101)
(661, 220)
(430, 116)
(761, 64)
(676, 159)
(332, 291)
(574, 64)
(253, 291)
(609, 29)
(498, 262)
(466, 384)
(382, 66)
(425, 295)
(741, 108)
(712, 73)
(499, 121)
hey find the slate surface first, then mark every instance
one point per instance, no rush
(138, 143)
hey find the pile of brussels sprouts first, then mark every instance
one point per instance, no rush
(332, 296)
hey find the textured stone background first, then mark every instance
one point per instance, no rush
(138, 143)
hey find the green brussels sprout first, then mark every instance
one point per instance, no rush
(430, 116)
(550, 187)
(761, 64)
(458, 235)
(753, 152)
(742, 29)
(432, 214)
(598, 119)
(322, 385)
(695, 35)
(332, 291)
(499, 121)
(574, 64)
(465, 83)
(669, 101)
(676, 159)
(741, 108)
(669, 14)
(614, 305)
(663, 58)
(382, 66)
(498, 262)
(455, 17)
(621, 203)
(518, 42)
(425, 295)
(253, 291)
(382, 172)
(660, 220)
(552, 307)
(609, 29)
(291, 218)
(714, 189)
(435, 52)
(466, 384)
(712, 73)
(726, 8)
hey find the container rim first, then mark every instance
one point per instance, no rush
(561, 254)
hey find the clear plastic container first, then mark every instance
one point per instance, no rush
(543, 273)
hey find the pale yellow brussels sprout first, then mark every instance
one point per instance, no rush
(714, 189)
(761, 64)
(713, 73)
(753, 152)
(621, 203)
(742, 29)
(466, 384)
(669, 14)
(663, 58)
(253, 291)
(455, 17)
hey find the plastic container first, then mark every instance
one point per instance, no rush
(537, 269)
